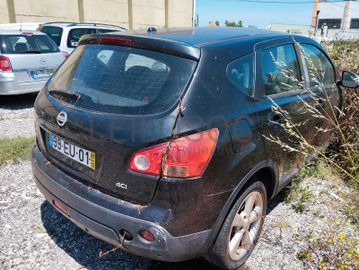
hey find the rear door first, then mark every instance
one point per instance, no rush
(33, 57)
(125, 99)
(284, 121)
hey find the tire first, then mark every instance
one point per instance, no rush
(234, 231)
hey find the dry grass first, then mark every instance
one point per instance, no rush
(15, 149)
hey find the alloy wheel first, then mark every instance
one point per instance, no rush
(246, 226)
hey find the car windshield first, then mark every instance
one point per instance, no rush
(27, 43)
(122, 80)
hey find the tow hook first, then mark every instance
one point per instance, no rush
(121, 246)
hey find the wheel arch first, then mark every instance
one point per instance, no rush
(266, 172)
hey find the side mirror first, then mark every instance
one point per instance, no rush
(349, 80)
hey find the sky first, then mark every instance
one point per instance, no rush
(258, 14)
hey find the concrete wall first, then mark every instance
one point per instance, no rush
(107, 11)
(148, 13)
(49, 10)
(180, 13)
(134, 14)
(4, 15)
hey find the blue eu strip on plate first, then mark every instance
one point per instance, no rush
(51, 140)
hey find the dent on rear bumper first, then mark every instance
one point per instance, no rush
(105, 224)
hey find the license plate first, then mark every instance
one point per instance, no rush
(41, 74)
(74, 152)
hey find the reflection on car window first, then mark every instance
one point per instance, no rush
(280, 69)
(140, 60)
(126, 80)
(320, 69)
(240, 73)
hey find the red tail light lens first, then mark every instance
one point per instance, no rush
(147, 235)
(5, 64)
(186, 157)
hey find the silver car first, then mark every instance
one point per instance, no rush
(27, 60)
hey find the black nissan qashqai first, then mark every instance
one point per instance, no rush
(165, 143)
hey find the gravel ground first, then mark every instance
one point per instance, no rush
(17, 116)
(35, 236)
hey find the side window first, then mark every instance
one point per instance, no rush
(53, 32)
(240, 74)
(99, 30)
(320, 69)
(76, 34)
(280, 69)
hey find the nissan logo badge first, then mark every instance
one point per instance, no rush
(61, 118)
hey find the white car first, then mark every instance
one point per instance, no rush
(19, 26)
(67, 34)
(27, 61)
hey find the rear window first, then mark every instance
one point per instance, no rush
(122, 80)
(53, 32)
(20, 44)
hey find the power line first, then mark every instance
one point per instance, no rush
(285, 2)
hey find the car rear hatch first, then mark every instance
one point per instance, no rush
(107, 101)
(33, 57)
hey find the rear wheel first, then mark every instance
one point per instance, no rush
(241, 229)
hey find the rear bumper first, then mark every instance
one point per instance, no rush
(10, 85)
(106, 224)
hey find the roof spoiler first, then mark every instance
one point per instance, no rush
(168, 46)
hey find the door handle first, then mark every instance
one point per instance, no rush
(275, 117)
(319, 104)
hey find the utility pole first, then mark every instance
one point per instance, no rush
(346, 16)
(11, 11)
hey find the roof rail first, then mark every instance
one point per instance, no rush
(57, 22)
(97, 24)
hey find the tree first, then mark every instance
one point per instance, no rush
(233, 24)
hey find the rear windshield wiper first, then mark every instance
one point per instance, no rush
(64, 93)
(31, 51)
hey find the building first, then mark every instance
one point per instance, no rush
(336, 20)
(131, 14)
(299, 29)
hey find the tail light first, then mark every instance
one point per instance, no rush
(186, 157)
(5, 64)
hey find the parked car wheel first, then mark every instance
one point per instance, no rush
(241, 229)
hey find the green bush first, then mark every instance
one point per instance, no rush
(345, 148)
